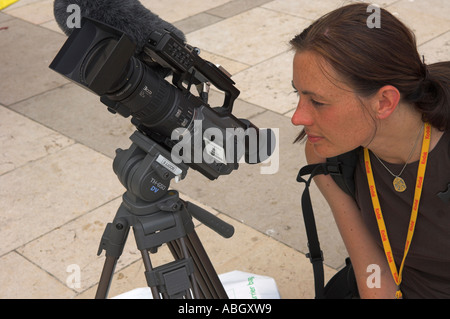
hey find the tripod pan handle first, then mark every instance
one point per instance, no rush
(219, 226)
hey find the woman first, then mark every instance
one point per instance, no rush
(368, 89)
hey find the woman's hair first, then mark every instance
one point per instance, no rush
(369, 58)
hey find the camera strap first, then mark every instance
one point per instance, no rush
(315, 254)
(341, 168)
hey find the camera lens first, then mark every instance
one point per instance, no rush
(89, 67)
(153, 101)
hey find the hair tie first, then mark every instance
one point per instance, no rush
(426, 75)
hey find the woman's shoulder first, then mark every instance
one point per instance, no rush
(443, 145)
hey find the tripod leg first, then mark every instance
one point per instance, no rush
(148, 269)
(208, 267)
(184, 249)
(105, 278)
(113, 242)
(210, 286)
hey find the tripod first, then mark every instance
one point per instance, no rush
(159, 216)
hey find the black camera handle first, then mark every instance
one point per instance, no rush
(171, 52)
(158, 216)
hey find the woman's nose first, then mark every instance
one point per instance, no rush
(301, 116)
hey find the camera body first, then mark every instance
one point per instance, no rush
(103, 60)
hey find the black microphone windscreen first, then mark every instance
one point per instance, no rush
(129, 16)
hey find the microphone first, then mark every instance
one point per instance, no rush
(129, 16)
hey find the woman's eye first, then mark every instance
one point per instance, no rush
(315, 103)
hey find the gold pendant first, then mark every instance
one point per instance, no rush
(399, 184)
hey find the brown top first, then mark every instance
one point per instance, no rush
(427, 267)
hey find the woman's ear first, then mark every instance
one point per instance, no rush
(385, 101)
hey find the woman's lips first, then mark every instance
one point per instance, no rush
(314, 139)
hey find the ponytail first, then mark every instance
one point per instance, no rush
(432, 97)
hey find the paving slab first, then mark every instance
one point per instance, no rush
(26, 52)
(57, 187)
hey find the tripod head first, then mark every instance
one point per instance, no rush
(146, 171)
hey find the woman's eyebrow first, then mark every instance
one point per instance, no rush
(306, 92)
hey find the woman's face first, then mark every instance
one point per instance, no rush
(333, 117)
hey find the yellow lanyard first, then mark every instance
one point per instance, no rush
(415, 207)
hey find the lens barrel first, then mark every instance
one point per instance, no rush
(153, 101)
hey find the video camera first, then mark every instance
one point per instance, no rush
(102, 59)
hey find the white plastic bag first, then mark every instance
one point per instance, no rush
(242, 285)
(237, 284)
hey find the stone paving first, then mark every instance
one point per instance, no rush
(57, 187)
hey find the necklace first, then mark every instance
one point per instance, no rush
(399, 183)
